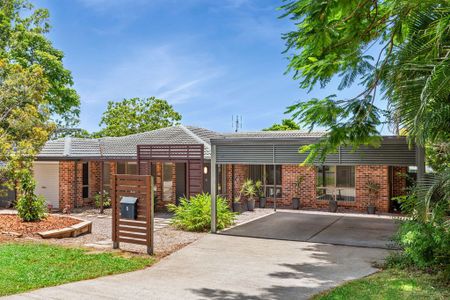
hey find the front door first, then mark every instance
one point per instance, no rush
(181, 181)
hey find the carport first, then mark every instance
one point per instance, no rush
(272, 149)
(322, 228)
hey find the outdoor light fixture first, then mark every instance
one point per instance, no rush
(205, 170)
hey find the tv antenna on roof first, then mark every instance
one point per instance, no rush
(236, 123)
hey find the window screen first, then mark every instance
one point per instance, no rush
(345, 176)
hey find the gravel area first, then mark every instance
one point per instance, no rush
(167, 238)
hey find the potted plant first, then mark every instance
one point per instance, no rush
(249, 191)
(237, 204)
(297, 184)
(373, 189)
(260, 191)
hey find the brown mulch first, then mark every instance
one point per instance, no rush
(12, 225)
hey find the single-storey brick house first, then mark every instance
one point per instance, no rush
(71, 171)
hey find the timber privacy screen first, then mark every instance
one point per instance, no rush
(140, 229)
(191, 154)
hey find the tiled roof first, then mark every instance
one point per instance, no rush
(125, 146)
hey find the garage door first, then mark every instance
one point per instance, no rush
(47, 181)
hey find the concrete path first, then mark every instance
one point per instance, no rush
(336, 229)
(229, 267)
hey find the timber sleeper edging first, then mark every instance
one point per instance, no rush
(71, 231)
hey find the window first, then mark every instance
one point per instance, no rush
(129, 167)
(265, 174)
(270, 180)
(167, 181)
(336, 181)
(221, 179)
(85, 180)
(107, 177)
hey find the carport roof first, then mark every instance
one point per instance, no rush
(125, 147)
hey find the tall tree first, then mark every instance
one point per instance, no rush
(286, 124)
(24, 128)
(34, 86)
(137, 115)
(23, 41)
(409, 72)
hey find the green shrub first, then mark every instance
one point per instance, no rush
(195, 214)
(425, 245)
(106, 200)
(30, 207)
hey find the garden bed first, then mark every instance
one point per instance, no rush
(12, 225)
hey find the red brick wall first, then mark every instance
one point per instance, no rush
(376, 174)
(307, 190)
(240, 175)
(94, 180)
(399, 181)
(69, 186)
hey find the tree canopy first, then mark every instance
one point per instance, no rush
(286, 124)
(409, 70)
(23, 41)
(136, 115)
(34, 87)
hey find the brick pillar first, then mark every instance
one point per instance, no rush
(69, 186)
(174, 183)
(159, 187)
(94, 178)
(376, 174)
(240, 175)
(399, 181)
(79, 184)
(307, 190)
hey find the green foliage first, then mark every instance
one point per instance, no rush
(34, 86)
(286, 124)
(30, 207)
(249, 189)
(23, 41)
(438, 155)
(31, 266)
(426, 245)
(137, 115)
(24, 128)
(425, 237)
(409, 69)
(106, 200)
(259, 188)
(195, 214)
(391, 284)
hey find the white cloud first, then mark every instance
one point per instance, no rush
(160, 71)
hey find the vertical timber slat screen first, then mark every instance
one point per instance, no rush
(139, 230)
(191, 154)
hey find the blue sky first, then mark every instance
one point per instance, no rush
(210, 59)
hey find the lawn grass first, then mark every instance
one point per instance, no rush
(30, 266)
(391, 284)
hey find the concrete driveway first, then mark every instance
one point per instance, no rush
(229, 267)
(326, 228)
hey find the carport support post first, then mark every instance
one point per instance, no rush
(274, 187)
(213, 190)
